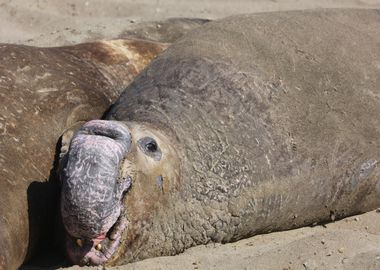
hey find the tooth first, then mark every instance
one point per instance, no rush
(79, 242)
(98, 247)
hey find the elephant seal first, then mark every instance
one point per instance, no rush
(46, 93)
(247, 125)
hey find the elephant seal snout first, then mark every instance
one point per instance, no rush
(93, 214)
(93, 190)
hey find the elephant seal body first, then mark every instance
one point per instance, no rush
(247, 125)
(47, 92)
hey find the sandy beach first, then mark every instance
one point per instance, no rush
(54, 22)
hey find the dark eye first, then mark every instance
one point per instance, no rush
(150, 148)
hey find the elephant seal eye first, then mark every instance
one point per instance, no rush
(150, 148)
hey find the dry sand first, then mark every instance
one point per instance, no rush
(352, 243)
(59, 22)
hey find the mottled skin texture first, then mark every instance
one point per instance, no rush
(47, 92)
(264, 122)
(99, 191)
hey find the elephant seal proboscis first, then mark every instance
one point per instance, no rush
(47, 92)
(247, 125)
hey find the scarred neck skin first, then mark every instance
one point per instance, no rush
(239, 173)
(196, 211)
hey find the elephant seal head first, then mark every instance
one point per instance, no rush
(106, 161)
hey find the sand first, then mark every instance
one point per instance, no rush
(352, 243)
(62, 22)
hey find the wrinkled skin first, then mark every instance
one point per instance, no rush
(90, 180)
(98, 190)
(261, 122)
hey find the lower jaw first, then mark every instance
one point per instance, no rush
(93, 256)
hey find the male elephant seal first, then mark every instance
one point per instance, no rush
(247, 125)
(45, 92)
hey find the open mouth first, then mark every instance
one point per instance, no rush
(98, 250)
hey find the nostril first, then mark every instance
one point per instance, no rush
(111, 129)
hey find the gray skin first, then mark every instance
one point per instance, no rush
(250, 124)
(106, 146)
